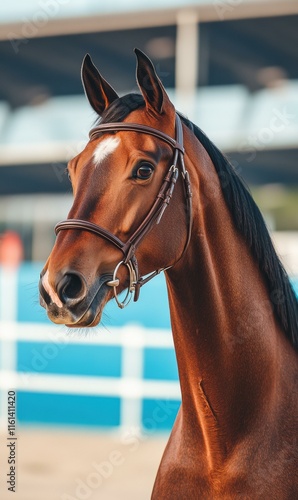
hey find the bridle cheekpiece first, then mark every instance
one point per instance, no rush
(163, 198)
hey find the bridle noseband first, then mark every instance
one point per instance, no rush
(128, 248)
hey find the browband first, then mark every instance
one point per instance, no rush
(137, 127)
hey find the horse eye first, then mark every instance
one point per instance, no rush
(144, 172)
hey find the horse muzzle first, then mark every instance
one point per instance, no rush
(71, 302)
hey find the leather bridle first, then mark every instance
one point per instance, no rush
(128, 248)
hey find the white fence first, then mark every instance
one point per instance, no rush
(130, 387)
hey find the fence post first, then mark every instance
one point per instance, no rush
(132, 376)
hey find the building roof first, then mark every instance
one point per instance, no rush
(247, 82)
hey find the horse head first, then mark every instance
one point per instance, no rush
(118, 228)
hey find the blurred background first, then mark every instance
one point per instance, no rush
(94, 409)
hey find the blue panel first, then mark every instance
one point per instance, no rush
(71, 359)
(28, 294)
(295, 285)
(160, 364)
(159, 414)
(68, 409)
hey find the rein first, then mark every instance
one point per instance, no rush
(153, 217)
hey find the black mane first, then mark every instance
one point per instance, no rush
(121, 107)
(246, 215)
(250, 223)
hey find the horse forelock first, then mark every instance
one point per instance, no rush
(120, 108)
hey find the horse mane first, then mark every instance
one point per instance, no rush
(246, 215)
(250, 223)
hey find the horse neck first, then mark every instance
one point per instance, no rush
(226, 337)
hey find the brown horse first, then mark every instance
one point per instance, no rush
(234, 314)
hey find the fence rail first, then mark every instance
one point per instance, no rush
(130, 387)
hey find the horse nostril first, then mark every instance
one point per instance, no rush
(71, 288)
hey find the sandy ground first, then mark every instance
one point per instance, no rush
(76, 465)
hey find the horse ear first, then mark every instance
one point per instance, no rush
(150, 85)
(99, 92)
